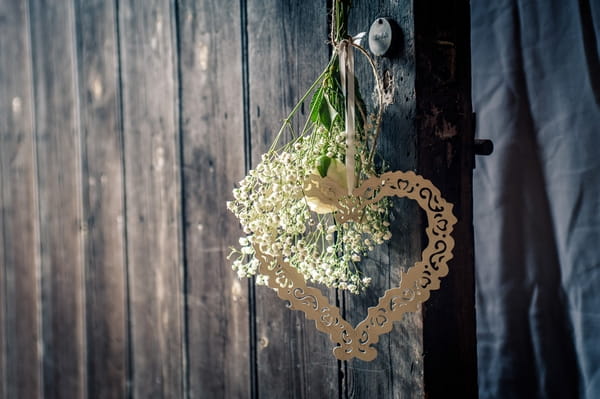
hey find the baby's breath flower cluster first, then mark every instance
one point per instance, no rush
(276, 215)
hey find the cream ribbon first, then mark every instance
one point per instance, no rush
(347, 78)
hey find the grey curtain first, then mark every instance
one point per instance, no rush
(536, 91)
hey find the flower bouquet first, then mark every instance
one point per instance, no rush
(288, 205)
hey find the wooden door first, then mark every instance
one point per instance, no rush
(125, 125)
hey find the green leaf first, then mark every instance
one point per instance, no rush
(320, 109)
(315, 105)
(333, 114)
(324, 116)
(323, 163)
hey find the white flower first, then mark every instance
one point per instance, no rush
(336, 174)
(280, 218)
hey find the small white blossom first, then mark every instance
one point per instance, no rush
(275, 216)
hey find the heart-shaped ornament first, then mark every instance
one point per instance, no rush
(416, 283)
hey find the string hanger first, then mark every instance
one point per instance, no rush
(343, 45)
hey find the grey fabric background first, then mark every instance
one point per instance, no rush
(536, 89)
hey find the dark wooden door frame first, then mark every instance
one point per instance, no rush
(445, 142)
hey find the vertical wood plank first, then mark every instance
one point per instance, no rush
(446, 155)
(103, 208)
(152, 191)
(397, 372)
(59, 176)
(19, 248)
(287, 50)
(3, 297)
(213, 161)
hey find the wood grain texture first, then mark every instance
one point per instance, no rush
(152, 192)
(103, 206)
(128, 123)
(287, 51)
(19, 248)
(59, 177)
(4, 326)
(3, 296)
(443, 86)
(397, 372)
(213, 161)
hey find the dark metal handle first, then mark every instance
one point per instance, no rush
(483, 147)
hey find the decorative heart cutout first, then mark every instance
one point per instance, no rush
(416, 283)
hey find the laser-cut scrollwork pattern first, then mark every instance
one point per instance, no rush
(416, 283)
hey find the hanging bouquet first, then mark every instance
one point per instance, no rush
(288, 205)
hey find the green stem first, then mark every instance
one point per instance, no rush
(379, 88)
(287, 121)
(339, 26)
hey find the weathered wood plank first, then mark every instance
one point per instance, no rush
(287, 50)
(443, 87)
(103, 207)
(19, 248)
(3, 297)
(397, 372)
(59, 176)
(152, 192)
(213, 161)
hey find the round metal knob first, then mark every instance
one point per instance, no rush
(380, 36)
(483, 147)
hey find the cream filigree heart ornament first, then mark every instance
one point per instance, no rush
(416, 283)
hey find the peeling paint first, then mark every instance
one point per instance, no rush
(441, 127)
(159, 159)
(446, 131)
(236, 290)
(159, 24)
(96, 88)
(202, 55)
(16, 105)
